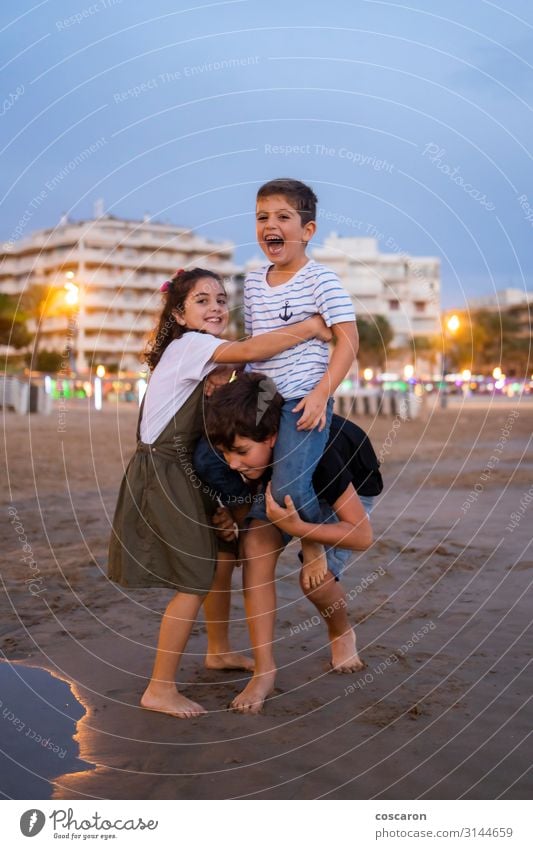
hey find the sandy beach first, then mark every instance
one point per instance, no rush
(441, 603)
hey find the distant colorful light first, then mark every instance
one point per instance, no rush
(97, 393)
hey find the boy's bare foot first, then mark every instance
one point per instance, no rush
(229, 660)
(257, 690)
(344, 657)
(314, 572)
(172, 703)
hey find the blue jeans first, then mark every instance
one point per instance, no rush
(338, 558)
(296, 456)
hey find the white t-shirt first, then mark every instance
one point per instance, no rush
(313, 289)
(183, 364)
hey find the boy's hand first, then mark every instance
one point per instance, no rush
(313, 408)
(322, 331)
(285, 518)
(224, 524)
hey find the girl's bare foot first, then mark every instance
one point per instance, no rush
(344, 657)
(171, 702)
(252, 698)
(229, 660)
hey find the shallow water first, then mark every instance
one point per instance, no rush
(38, 718)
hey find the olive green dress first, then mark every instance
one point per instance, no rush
(161, 534)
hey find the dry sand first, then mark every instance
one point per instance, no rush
(442, 716)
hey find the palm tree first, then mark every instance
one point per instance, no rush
(39, 301)
(488, 339)
(13, 329)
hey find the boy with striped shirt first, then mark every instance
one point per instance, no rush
(287, 289)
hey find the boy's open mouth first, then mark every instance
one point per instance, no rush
(274, 245)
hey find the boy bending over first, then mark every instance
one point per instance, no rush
(242, 421)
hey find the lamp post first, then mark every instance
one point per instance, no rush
(72, 299)
(451, 326)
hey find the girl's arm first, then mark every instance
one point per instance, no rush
(353, 530)
(267, 345)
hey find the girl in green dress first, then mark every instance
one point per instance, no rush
(162, 536)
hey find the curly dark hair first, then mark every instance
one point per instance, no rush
(174, 297)
(301, 197)
(250, 406)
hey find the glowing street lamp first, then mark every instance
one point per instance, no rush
(408, 371)
(72, 294)
(368, 374)
(453, 324)
(497, 373)
(72, 300)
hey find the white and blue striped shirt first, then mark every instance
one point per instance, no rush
(313, 289)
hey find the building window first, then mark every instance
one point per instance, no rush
(420, 306)
(394, 305)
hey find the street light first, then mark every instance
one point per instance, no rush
(72, 294)
(72, 300)
(452, 325)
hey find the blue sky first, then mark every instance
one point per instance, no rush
(410, 120)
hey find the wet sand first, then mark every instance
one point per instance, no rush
(441, 603)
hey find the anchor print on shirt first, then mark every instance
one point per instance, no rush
(286, 315)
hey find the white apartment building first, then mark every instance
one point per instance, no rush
(501, 299)
(116, 267)
(404, 289)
